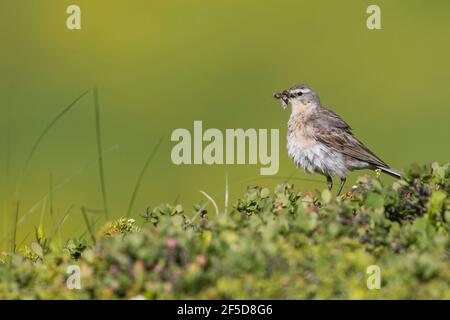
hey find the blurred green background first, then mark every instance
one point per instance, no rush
(160, 65)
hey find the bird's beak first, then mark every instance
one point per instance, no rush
(284, 97)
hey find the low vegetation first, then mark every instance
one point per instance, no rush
(277, 244)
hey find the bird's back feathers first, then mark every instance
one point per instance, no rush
(331, 130)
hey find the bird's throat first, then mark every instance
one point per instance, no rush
(300, 109)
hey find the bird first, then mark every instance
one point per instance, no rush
(320, 141)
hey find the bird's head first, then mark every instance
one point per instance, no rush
(299, 96)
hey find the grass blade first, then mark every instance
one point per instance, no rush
(14, 231)
(99, 151)
(211, 200)
(88, 224)
(62, 221)
(141, 176)
(43, 209)
(62, 184)
(226, 193)
(50, 195)
(24, 239)
(47, 129)
(7, 204)
(92, 226)
(176, 200)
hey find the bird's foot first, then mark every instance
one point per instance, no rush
(341, 185)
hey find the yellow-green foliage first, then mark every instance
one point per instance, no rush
(120, 226)
(280, 244)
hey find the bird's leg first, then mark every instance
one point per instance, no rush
(329, 183)
(343, 179)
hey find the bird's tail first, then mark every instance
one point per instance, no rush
(391, 172)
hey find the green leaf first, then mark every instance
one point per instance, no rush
(447, 216)
(326, 196)
(37, 249)
(374, 201)
(436, 203)
(265, 193)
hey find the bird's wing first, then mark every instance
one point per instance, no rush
(329, 129)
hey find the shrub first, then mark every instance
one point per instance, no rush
(281, 245)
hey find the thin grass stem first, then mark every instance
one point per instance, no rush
(141, 175)
(88, 224)
(99, 151)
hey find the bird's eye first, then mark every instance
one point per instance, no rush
(299, 93)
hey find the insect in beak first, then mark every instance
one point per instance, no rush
(284, 97)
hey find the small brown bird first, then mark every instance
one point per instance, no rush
(318, 140)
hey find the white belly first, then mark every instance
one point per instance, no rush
(316, 157)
